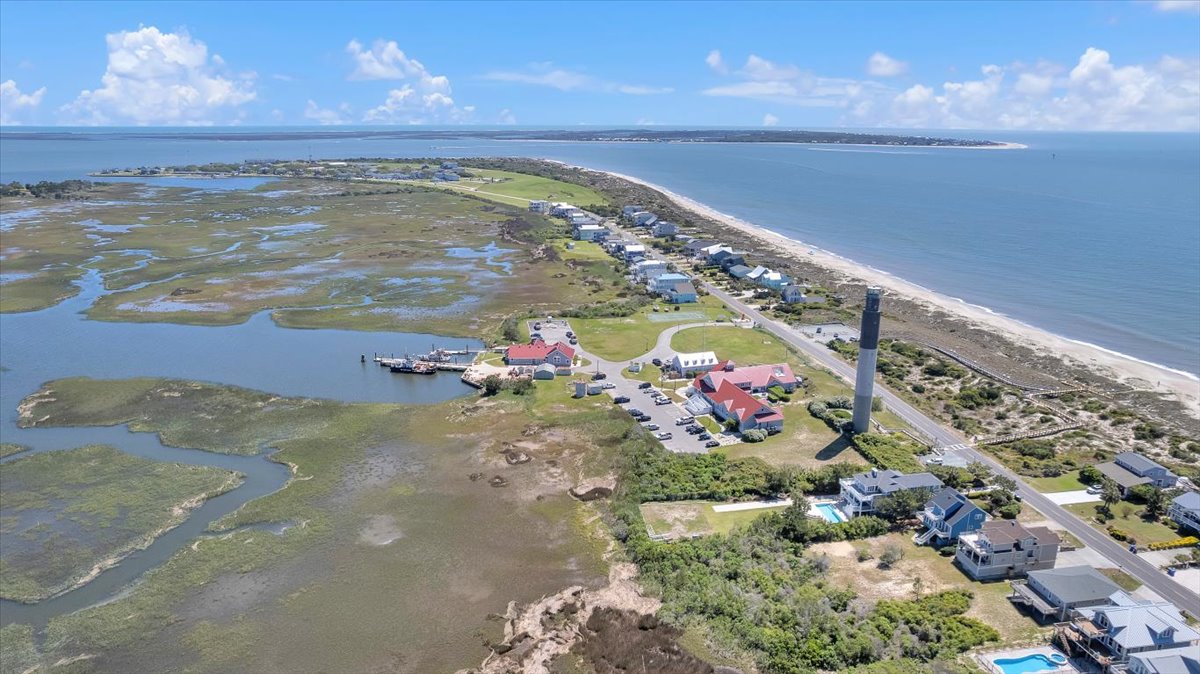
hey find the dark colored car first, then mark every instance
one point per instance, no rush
(621, 399)
(635, 412)
(644, 417)
(694, 429)
(657, 362)
(574, 341)
(712, 443)
(704, 436)
(645, 385)
(598, 376)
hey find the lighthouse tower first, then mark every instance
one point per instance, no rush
(868, 350)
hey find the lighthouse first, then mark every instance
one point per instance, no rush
(868, 349)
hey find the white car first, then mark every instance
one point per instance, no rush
(1095, 489)
(651, 427)
(684, 421)
(608, 385)
(663, 436)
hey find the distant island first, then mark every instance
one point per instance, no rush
(575, 135)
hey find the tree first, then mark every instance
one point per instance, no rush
(1156, 504)
(980, 470)
(1110, 494)
(1090, 475)
(492, 385)
(902, 504)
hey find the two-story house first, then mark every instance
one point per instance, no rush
(948, 515)
(1006, 549)
(687, 364)
(754, 378)
(663, 282)
(1055, 594)
(858, 493)
(1184, 660)
(682, 292)
(1130, 469)
(591, 232)
(1185, 510)
(1112, 634)
(664, 228)
(730, 403)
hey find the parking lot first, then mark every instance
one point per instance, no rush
(664, 416)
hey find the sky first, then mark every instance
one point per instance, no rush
(1127, 66)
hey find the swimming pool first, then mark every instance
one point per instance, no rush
(830, 512)
(1030, 663)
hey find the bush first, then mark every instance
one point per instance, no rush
(893, 451)
(863, 554)
(947, 550)
(1090, 475)
(1118, 534)
(1010, 511)
(754, 435)
(891, 555)
(918, 388)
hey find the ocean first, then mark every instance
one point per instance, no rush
(1094, 237)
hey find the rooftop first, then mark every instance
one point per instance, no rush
(1010, 531)
(1075, 584)
(1188, 500)
(1136, 462)
(1121, 475)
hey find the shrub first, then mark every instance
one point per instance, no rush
(754, 435)
(1117, 533)
(1010, 511)
(918, 388)
(863, 553)
(891, 555)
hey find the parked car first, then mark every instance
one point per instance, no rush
(652, 427)
(598, 376)
(704, 436)
(644, 417)
(537, 326)
(570, 334)
(684, 421)
(662, 401)
(608, 385)
(574, 341)
(634, 412)
(712, 443)
(663, 436)
(536, 335)
(694, 429)
(1095, 489)
(657, 362)
(621, 400)
(645, 385)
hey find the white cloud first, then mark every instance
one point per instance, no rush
(14, 104)
(506, 117)
(546, 75)
(406, 105)
(1093, 94)
(325, 116)
(882, 65)
(282, 77)
(770, 120)
(162, 78)
(425, 98)
(716, 62)
(1192, 6)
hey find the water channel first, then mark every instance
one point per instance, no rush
(60, 342)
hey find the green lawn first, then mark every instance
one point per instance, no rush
(629, 337)
(1065, 482)
(1142, 531)
(582, 250)
(529, 187)
(1122, 579)
(744, 347)
(685, 518)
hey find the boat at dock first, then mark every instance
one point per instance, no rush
(408, 365)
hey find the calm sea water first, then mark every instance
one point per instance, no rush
(1095, 237)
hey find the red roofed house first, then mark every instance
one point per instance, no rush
(730, 402)
(538, 352)
(756, 379)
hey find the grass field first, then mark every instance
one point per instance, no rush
(686, 518)
(745, 347)
(529, 187)
(626, 338)
(1065, 482)
(1142, 531)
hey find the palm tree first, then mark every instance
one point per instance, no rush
(1110, 494)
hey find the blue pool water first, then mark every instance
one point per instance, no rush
(1028, 664)
(830, 513)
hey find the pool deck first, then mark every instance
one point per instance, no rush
(987, 659)
(814, 511)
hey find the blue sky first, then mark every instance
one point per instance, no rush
(1019, 65)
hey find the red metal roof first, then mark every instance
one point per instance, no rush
(757, 376)
(743, 405)
(537, 350)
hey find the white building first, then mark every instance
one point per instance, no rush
(688, 364)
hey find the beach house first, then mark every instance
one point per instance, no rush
(1006, 549)
(732, 405)
(1112, 634)
(1055, 594)
(1185, 510)
(663, 228)
(1184, 660)
(665, 282)
(859, 492)
(647, 269)
(1130, 469)
(628, 210)
(539, 206)
(695, 247)
(947, 515)
(634, 251)
(591, 232)
(682, 292)
(538, 352)
(644, 219)
(739, 271)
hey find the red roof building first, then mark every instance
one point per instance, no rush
(731, 402)
(756, 379)
(538, 352)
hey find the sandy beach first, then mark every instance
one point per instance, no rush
(1125, 369)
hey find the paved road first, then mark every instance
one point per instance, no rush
(1115, 552)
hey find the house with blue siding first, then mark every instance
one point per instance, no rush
(664, 282)
(947, 515)
(682, 292)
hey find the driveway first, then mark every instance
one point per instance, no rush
(1063, 498)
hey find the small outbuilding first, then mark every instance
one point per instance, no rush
(545, 371)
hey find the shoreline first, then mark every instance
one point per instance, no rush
(1128, 370)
